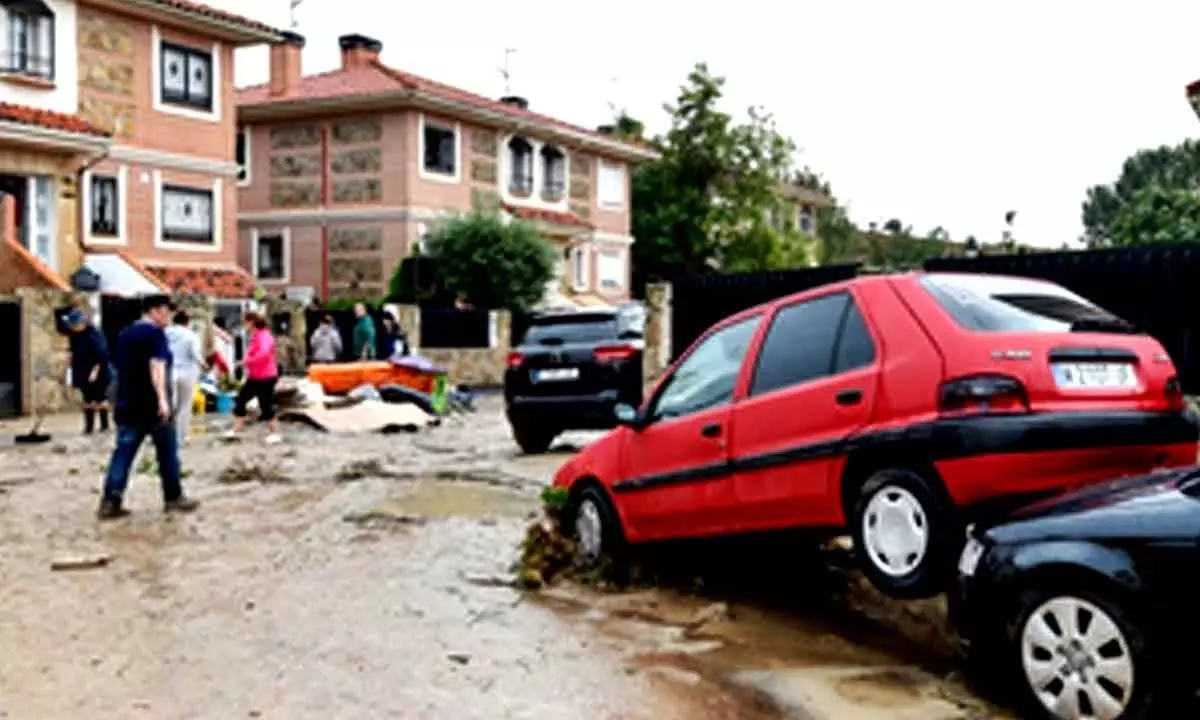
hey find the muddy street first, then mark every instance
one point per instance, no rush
(369, 577)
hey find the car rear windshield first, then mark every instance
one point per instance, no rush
(575, 329)
(990, 303)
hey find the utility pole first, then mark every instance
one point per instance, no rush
(505, 71)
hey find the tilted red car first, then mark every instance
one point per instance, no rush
(899, 406)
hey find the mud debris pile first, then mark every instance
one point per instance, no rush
(241, 470)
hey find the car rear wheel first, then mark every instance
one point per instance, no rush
(533, 441)
(597, 527)
(904, 534)
(1080, 655)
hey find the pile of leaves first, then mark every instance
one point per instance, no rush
(247, 471)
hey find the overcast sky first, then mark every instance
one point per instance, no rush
(932, 111)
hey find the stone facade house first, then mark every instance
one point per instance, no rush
(117, 143)
(345, 172)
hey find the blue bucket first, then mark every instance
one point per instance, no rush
(225, 403)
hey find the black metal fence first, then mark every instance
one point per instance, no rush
(443, 327)
(116, 314)
(344, 321)
(1157, 288)
(10, 359)
(700, 301)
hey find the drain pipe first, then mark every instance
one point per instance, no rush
(79, 209)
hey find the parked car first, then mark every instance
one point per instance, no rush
(903, 406)
(569, 372)
(1088, 602)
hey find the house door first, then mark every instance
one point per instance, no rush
(10, 359)
(16, 186)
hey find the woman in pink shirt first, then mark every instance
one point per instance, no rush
(262, 372)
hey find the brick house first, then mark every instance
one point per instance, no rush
(345, 172)
(117, 141)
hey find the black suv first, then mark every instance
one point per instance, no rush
(570, 370)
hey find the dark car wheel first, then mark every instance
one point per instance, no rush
(533, 441)
(906, 535)
(1078, 654)
(596, 527)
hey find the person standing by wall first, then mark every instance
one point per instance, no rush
(385, 343)
(187, 362)
(143, 408)
(326, 342)
(262, 373)
(364, 334)
(90, 370)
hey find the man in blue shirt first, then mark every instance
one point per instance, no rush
(143, 408)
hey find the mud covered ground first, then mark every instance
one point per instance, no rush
(369, 577)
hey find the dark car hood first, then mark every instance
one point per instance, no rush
(1163, 505)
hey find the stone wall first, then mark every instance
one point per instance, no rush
(291, 350)
(356, 268)
(45, 355)
(657, 356)
(107, 55)
(295, 165)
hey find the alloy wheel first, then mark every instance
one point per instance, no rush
(895, 531)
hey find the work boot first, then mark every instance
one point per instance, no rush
(111, 510)
(181, 504)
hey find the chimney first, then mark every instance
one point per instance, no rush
(359, 50)
(516, 101)
(286, 72)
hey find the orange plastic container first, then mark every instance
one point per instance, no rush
(341, 378)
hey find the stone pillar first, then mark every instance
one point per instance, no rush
(291, 350)
(657, 356)
(45, 356)
(408, 319)
(500, 330)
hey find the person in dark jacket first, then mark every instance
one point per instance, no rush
(363, 339)
(91, 372)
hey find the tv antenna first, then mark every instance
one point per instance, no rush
(613, 83)
(505, 71)
(292, 10)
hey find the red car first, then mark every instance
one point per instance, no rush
(900, 406)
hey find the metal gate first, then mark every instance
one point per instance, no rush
(10, 359)
(116, 314)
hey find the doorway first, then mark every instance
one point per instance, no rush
(18, 187)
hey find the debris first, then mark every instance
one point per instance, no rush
(714, 612)
(460, 658)
(80, 562)
(362, 469)
(545, 553)
(382, 518)
(244, 471)
(489, 581)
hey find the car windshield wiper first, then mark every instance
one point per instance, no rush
(1103, 324)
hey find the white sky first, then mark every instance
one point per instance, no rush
(937, 112)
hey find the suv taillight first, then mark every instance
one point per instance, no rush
(983, 395)
(515, 359)
(613, 353)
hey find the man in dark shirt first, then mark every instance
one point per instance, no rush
(143, 408)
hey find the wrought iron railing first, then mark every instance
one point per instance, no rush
(16, 62)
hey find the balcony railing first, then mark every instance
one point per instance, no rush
(34, 66)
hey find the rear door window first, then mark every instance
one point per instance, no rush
(990, 303)
(855, 348)
(565, 331)
(799, 345)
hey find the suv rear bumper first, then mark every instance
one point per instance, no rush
(565, 412)
(986, 457)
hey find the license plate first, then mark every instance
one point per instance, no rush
(1095, 375)
(555, 375)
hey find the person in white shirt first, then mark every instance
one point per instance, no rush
(187, 362)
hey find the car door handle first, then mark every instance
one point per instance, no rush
(848, 397)
(711, 431)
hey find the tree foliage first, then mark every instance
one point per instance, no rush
(491, 262)
(1148, 202)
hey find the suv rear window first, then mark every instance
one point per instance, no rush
(990, 303)
(579, 328)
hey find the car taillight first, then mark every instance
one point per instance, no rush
(984, 395)
(613, 353)
(1174, 393)
(515, 359)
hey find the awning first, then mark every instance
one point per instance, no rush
(120, 275)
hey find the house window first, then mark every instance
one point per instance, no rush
(611, 185)
(610, 269)
(242, 154)
(105, 206)
(40, 230)
(440, 153)
(579, 269)
(29, 39)
(804, 219)
(186, 77)
(520, 155)
(554, 172)
(187, 214)
(271, 258)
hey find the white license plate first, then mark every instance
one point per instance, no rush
(556, 375)
(968, 562)
(1095, 375)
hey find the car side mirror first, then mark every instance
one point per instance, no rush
(628, 415)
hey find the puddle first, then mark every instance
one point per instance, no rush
(443, 499)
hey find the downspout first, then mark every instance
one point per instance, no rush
(325, 197)
(79, 210)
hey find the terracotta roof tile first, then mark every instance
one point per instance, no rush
(222, 282)
(553, 217)
(207, 11)
(48, 119)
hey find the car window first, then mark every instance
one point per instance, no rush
(799, 346)
(707, 375)
(578, 329)
(990, 303)
(855, 348)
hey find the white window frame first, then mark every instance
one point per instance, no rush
(803, 211)
(215, 73)
(619, 258)
(286, 235)
(244, 177)
(580, 269)
(622, 170)
(458, 151)
(121, 238)
(40, 47)
(504, 168)
(218, 220)
(32, 230)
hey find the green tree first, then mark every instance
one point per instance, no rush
(1157, 214)
(491, 262)
(1169, 168)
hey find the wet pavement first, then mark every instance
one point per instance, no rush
(368, 577)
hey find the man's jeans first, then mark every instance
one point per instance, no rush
(129, 441)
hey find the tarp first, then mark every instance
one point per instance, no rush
(365, 416)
